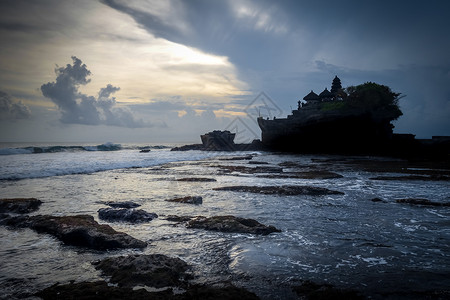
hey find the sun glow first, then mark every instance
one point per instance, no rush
(177, 53)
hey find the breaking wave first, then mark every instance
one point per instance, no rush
(57, 148)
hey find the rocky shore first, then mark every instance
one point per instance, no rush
(133, 275)
(140, 273)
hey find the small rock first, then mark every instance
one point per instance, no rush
(188, 199)
(19, 205)
(231, 224)
(126, 215)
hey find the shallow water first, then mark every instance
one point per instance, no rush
(345, 240)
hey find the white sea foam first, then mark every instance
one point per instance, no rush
(14, 167)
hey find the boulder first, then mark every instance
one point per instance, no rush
(155, 270)
(188, 199)
(126, 215)
(78, 230)
(19, 205)
(231, 224)
(287, 190)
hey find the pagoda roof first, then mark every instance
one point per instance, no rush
(311, 96)
(326, 94)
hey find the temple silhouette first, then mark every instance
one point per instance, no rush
(356, 120)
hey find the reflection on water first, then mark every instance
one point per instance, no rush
(346, 240)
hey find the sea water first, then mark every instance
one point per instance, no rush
(344, 240)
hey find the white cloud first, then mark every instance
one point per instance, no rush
(266, 19)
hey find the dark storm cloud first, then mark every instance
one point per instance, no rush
(10, 109)
(208, 25)
(78, 108)
(347, 28)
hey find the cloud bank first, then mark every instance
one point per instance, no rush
(12, 110)
(78, 108)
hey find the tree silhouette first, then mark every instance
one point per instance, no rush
(375, 98)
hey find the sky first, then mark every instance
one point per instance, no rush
(167, 71)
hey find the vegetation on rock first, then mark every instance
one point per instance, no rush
(370, 97)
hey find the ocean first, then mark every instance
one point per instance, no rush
(380, 248)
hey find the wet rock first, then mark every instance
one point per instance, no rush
(305, 175)
(258, 162)
(13, 221)
(124, 204)
(155, 270)
(98, 290)
(78, 230)
(178, 219)
(311, 290)
(197, 179)
(425, 202)
(188, 199)
(288, 190)
(378, 200)
(231, 224)
(19, 205)
(126, 215)
(245, 157)
(217, 293)
(290, 164)
(189, 147)
(250, 170)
